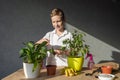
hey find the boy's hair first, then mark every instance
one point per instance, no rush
(58, 12)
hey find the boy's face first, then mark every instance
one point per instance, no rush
(57, 22)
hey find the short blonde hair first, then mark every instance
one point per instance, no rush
(58, 12)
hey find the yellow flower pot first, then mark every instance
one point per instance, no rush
(75, 63)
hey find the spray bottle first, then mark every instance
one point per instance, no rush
(90, 61)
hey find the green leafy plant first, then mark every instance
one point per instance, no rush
(33, 53)
(76, 45)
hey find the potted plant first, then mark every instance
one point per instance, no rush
(77, 49)
(51, 69)
(33, 55)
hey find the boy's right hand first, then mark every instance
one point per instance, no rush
(42, 40)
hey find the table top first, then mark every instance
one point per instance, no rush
(19, 75)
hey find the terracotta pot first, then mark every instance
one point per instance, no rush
(106, 69)
(51, 70)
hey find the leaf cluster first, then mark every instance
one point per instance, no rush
(33, 53)
(76, 45)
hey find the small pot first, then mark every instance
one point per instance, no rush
(51, 70)
(106, 69)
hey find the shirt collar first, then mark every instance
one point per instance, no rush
(64, 33)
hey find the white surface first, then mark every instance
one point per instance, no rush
(106, 76)
(28, 71)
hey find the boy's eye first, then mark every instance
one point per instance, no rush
(58, 21)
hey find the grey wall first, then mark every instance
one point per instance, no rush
(24, 20)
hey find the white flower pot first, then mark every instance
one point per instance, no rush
(28, 70)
